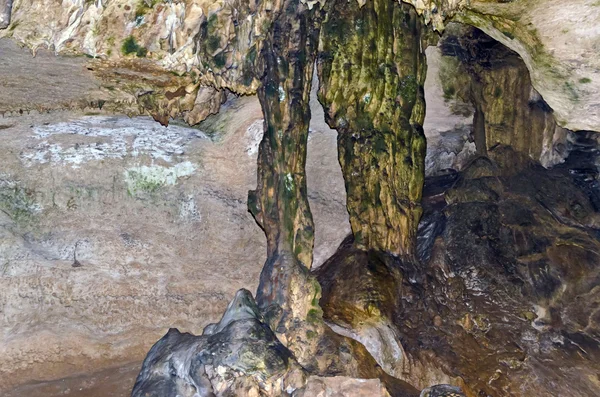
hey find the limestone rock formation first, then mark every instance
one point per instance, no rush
(372, 69)
(153, 57)
(511, 255)
(242, 356)
(476, 282)
(5, 12)
(560, 54)
(507, 109)
(238, 356)
(217, 43)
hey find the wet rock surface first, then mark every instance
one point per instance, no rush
(499, 306)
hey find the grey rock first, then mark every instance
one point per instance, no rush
(237, 355)
(442, 391)
(5, 11)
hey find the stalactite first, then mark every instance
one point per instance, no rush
(372, 69)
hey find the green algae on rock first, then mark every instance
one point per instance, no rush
(372, 68)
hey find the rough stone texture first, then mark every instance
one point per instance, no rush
(507, 109)
(286, 290)
(5, 11)
(44, 82)
(342, 387)
(153, 57)
(152, 237)
(208, 101)
(558, 41)
(217, 42)
(139, 276)
(241, 356)
(209, 36)
(371, 70)
(436, 355)
(513, 256)
(280, 203)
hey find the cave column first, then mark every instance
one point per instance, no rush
(280, 203)
(372, 69)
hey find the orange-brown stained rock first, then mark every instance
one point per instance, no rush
(514, 277)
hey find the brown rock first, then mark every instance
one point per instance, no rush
(341, 386)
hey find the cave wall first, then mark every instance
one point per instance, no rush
(217, 43)
(370, 139)
(507, 110)
(160, 244)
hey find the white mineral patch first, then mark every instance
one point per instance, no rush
(188, 210)
(100, 137)
(254, 134)
(149, 178)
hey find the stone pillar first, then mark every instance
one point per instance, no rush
(5, 10)
(279, 203)
(372, 68)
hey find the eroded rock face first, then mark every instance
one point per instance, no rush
(507, 109)
(372, 68)
(217, 42)
(5, 11)
(153, 57)
(280, 202)
(493, 236)
(559, 52)
(499, 306)
(238, 356)
(173, 239)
